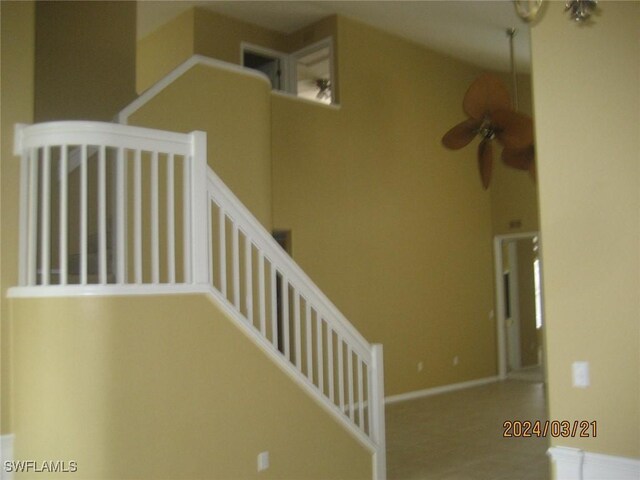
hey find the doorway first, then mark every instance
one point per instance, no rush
(519, 300)
(267, 61)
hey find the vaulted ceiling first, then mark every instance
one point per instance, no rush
(472, 30)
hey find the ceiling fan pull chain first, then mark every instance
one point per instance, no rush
(511, 32)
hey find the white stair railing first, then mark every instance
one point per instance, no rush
(273, 296)
(143, 211)
(135, 195)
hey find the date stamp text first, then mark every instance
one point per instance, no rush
(550, 428)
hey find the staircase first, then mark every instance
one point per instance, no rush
(143, 213)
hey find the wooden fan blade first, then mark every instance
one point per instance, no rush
(513, 129)
(485, 162)
(520, 158)
(486, 95)
(461, 135)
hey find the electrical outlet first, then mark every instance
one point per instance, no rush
(420, 366)
(456, 361)
(263, 461)
(580, 374)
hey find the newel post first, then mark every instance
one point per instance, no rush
(379, 435)
(199, 221)
(18, 151)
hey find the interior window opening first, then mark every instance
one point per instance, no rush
(313, 76)
(307, 73)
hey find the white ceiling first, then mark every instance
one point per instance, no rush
(472, 30)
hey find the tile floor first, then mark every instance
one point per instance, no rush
(459, 435)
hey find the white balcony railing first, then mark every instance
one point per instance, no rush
(100, 223)
(109, 208)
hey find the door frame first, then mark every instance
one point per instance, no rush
(512, 340)
(498, 260)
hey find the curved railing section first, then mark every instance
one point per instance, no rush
(108, 208)
(131, 213)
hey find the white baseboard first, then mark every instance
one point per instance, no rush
(438, 390)
(576, 464)
(6, 454)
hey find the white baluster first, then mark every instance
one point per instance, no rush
(307, 315)
(222, 251)
(296, 333)
(330, 363)
(121, 219)
(137, 215)
(102, 215)
(235, 259)
(187, 167)
(155, 228)
(248, 270)
(45, 218)
(171, 234)
(64, 181)
(360, 395)
(212, 273)
(350, 381)
(341, 374)
(285, 317)
(262, 295)
(320, 353)
(274, 306)
(83, 215)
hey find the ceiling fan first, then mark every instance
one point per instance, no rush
(488, 105)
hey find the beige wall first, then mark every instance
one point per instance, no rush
(234, 110)
(16, 90)
(164, 387)
(587, 105)
(85, 59)
(393, 227)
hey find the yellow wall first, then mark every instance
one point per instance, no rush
(197, 31)
(393, 227)
(16, 90)
(164, 49)
(85, 59)
(514, 193)
(219, 37)
(201, 31)
(139, 387)
(233, 108)
(587, 105)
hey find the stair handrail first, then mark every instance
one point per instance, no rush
(259, 237)
(260, 234)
